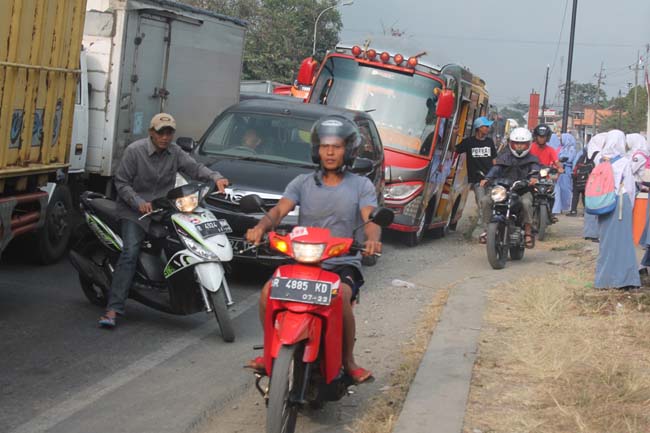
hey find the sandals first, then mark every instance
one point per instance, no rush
(257, 365)
(107, 322)
(529, 241)
(360, 375)
(482, 239)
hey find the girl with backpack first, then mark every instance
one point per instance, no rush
(617, 264)
(594, 147)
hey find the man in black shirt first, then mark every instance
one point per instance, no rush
(481, 154)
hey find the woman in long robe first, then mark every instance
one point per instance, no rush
(564, 184)
(617, 267)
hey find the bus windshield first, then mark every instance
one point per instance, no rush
(403, 106)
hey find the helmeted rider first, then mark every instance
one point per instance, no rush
(332, 197)
(546, 154)
(514, 165)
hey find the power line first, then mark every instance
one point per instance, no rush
(557, 47)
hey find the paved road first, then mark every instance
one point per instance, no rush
(155, 372)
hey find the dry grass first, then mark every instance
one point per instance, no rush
(383, 410)
(558, 356)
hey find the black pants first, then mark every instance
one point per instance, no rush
(577, 194)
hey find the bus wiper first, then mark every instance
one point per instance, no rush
(322, 99)
(370, 110)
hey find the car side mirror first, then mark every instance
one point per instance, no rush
(186, 143)
(362, 166)
(382, 216)
(251, 203)
(446, 101)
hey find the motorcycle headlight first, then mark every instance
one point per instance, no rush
(187, 203)
(198, 249)
(307, 253)
(543, 172)
(498, 194)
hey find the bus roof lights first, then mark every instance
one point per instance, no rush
(385, 57)
(398, 59)
(356, 51)
(371, 54)
(412, 62)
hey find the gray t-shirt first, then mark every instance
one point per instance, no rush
(337, 208)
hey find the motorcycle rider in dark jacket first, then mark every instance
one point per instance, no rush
(514, 165)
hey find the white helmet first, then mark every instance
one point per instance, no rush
(520, 135)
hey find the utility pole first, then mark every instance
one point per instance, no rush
(620, 108)
(637, 66)
(600, 77)
(543, 116)
(567, 86)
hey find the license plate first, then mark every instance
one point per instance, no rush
(305, 291)
(213, 228)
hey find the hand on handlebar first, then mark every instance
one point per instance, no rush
(255, 235)
(483, 182)
(372, 248)
(222, 184)
(533, 181)
(145, 208)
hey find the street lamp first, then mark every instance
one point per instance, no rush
(347, 3)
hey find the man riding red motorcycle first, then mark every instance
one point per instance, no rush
(336, 199)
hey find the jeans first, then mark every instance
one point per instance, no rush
(526, 213)
(479, 193)
(132, 237)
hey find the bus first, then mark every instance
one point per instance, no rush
(422, 110)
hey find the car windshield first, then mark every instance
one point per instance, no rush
(403, 106)
(273, 138)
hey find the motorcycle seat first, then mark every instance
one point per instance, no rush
(106, 210)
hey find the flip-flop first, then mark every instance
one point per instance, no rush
(482, 239)
(107, 322)
(361, 375)
(257, 365)
(529, 241)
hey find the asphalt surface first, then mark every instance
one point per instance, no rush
(155, 372)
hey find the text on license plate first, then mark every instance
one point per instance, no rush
(305, 291)
(214, 227)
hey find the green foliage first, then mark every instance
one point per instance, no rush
(280, 33)
(584, 94)
(627, 117)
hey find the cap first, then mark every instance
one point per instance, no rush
(162, 120)
(482, 121)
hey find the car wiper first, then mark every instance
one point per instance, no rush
(275, 161)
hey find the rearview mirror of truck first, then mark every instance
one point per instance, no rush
(445, 108)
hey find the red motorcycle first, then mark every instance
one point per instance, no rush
(303, 327)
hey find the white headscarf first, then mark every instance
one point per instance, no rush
(614, 147)
(636, 142)
(596, 144)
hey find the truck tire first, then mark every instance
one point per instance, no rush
(53, 237)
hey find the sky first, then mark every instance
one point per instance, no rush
(509, 43)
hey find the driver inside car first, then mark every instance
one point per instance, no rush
(336, 199)
(518, 164)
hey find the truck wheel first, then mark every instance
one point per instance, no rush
(414, 238)
(53, 237)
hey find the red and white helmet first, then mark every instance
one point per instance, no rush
(520, 135)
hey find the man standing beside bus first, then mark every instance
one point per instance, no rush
(481, 154)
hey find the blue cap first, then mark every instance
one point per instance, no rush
(482, 121)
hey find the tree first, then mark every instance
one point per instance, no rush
(280, 33)
(627, 117)
(584, 94)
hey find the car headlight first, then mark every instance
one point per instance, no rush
(498, 194)
(307, 253)
(543, 172)
(401, 191)
(188, 203)
(198, 249)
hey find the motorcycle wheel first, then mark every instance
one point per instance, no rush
(543, 223)
(517, 253)
(218, 301)
(95, 293)
(286, 381)
(497, 252)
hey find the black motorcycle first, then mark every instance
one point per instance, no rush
(181, 265)
(505, 232)
(543, 199)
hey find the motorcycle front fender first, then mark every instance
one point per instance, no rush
(210, 275)
(292, 328)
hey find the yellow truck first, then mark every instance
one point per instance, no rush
(40, 45)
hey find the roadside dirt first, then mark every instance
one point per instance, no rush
(558, 356)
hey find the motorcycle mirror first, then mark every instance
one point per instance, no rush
(382, 216)
(362, 166)
(251, 203)
(186, 143)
